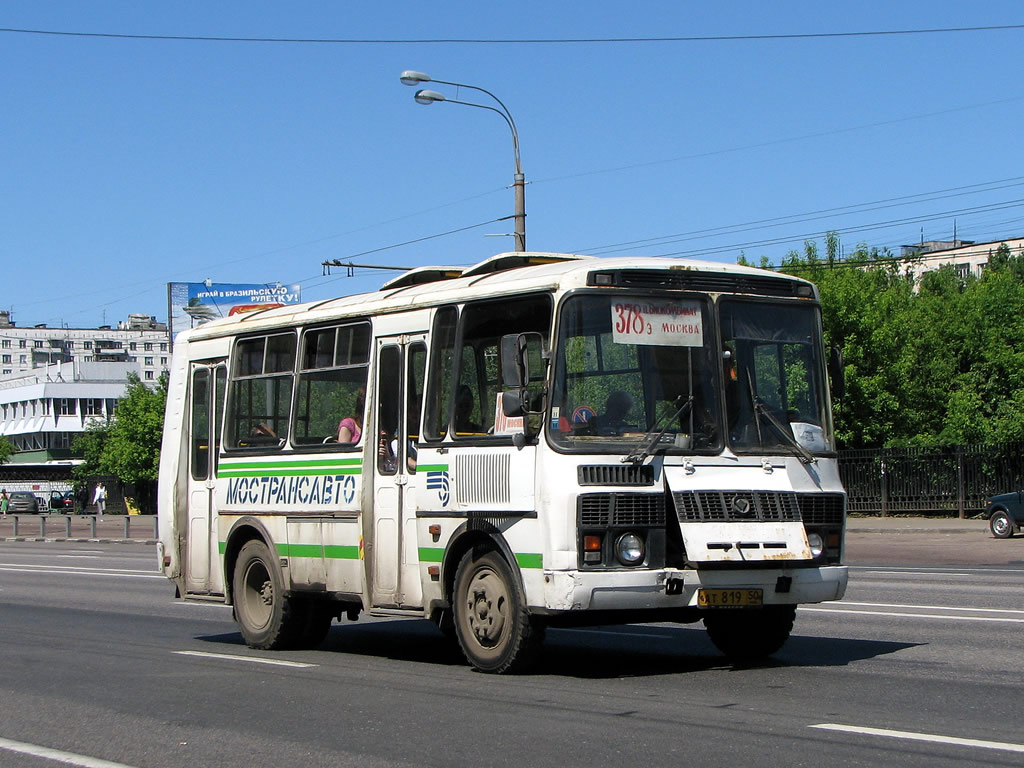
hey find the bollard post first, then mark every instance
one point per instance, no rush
(15, 524)
(42, 526)
(67, 526)
(92, 527)
(127, 525)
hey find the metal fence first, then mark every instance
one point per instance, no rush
(940, 481)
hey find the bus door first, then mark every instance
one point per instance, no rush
(206, 408)
(393, 566)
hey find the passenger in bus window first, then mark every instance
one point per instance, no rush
(464, 402)
(350, 429)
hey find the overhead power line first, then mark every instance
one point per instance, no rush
(516, 41)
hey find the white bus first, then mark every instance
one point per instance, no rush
(583, 441)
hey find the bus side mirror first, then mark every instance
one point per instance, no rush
(515, 371)
(837, 372)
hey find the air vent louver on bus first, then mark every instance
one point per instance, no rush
(616, 474)
(697, 280)
(601, 510)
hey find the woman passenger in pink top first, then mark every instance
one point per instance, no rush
(351, 428)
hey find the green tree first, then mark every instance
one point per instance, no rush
(128, 446)
(6, 450)
(131, 451)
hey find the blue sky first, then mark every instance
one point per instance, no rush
(126, 164)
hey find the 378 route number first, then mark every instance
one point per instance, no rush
(629, 320)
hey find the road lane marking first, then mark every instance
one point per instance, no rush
(924, 569)
(932, 607)
(250, 659)
(67, 758)
(55, 570)
(916, 615)
(914, 736)
(940, 574)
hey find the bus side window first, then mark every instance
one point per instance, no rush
(479, 387)
(331, 383)
(261, 391)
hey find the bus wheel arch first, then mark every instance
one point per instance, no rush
(488, 612)
(244, 530)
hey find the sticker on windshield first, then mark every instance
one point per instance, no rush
(658, 323)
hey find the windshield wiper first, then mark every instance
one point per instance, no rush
(760, 408)
(648, 441)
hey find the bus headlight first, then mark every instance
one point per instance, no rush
(629, 549)
(816, 544)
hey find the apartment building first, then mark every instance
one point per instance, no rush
(54, 381)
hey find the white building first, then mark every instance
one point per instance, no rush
(53, 381)
(968, 258)
(141, 342)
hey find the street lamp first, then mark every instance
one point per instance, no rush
(424, 96)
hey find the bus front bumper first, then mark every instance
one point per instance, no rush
(670, 588)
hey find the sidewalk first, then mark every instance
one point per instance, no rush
(916, 525)
(140, 529)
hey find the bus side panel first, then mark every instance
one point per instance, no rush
(343, 555)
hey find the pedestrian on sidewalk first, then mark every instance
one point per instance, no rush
(99, 498)
(4, 501)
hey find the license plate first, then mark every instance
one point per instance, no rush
(729, 598)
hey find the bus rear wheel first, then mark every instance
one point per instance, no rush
(750, 635)
(494, 628)
(268, 620)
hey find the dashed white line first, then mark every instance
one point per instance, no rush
(67, 758)
(55, 570)
(249, 659)
(933, 607)
(914, 736)
(946, 617)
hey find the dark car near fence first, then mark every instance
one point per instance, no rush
(1005, 514)
(23, 501)
(62, 502)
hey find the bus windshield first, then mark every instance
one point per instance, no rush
(630, 367)
(774, 377)
(632, 371)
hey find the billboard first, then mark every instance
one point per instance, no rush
(192, 304)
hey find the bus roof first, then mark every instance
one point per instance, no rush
(501, 275)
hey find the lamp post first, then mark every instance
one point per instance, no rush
(423, 96)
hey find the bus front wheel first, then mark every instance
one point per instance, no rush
(268, 620)
(750, 635)
(494, 628)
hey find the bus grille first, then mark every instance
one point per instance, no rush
(821, 508)
(601, 510)
(728, 506)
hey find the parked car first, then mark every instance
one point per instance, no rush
(1005, 514)
(62, 502)
(23, 501)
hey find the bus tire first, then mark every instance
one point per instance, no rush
(494, 628)
(750, 635)
(268, 620)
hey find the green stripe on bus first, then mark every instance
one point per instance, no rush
(329, 551)
(432, 468)
(303, 463)
(524, 560)
(529, 560)
(299, 472)
(431, 554)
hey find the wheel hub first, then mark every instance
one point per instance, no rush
(486, 608)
